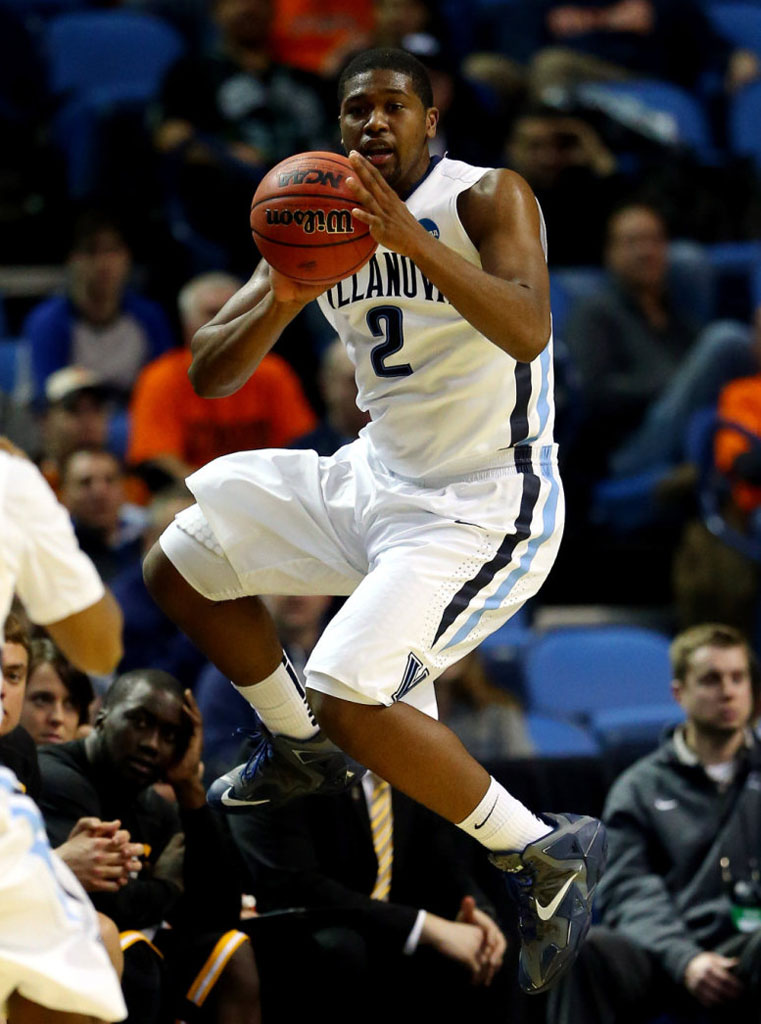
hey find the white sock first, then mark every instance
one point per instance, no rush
(500, 822)
(280, 702)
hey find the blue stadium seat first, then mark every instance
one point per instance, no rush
(89, 49)
(744, 119)
(639, 727)
(661, 110)
(553, 737)
(577, 672)
(12, 355)
(567, 286)
(105, 65)
(740, 23)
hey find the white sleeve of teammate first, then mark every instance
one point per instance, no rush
(49, 549)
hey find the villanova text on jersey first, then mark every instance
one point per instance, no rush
(393, 276)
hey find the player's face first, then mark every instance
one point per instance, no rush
(716, 693)
(384, 119)
(49, 714)
(143, 733)
(14, 662)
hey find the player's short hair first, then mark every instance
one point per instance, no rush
(710, 634)
(389, 59)
(44, 652)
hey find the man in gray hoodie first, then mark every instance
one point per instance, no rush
(681, 900)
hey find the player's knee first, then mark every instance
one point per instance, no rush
(165, 585)
(154, 571)
(336, 717)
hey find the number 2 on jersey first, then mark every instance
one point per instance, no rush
(386, 322)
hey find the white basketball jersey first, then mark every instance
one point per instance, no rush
(444, 400)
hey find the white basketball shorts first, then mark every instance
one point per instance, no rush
(50, 946)
(429, 570)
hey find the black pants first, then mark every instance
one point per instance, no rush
(615, 981)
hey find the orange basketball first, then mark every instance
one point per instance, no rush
(302, 223)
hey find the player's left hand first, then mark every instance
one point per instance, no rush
(390, 222)
(493, 943)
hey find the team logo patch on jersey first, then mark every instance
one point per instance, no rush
(430, 226)
(414, 673)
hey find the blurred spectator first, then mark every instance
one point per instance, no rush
(98, 853)
(643, 361)
(740, 402)
(573, 175)
(174, 431)
(487, 719)
(343, 419)
(712, 578)
(16, 746)
(150, 638)
(56, 582)
(226, 117)
(680, 897)
(75, 416)
(58, 696)
(14, 669)
(149, 729)
(467, 112)
(107, 526)
(100, 323)
(599, 40)
(316, 35)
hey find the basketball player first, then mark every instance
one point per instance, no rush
(439, 522)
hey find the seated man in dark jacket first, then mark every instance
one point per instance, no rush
(389, 894)
(681, 898)
(149, 730)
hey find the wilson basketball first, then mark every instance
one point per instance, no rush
(302, 223)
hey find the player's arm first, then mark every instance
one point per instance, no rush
(507, 299)
(228, 349)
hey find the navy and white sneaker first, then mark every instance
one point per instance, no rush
(282, 768)
(553, 881)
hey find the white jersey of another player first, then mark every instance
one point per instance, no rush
(50, 945)
(444, 400)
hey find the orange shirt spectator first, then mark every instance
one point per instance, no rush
(167, 417)
(739, 402)
(176, 431)
(318, 35)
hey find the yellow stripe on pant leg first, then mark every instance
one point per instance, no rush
(217, 961)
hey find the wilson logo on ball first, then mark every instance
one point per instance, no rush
(332, 222)
(312, 176)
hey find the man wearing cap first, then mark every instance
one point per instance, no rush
(76, 416)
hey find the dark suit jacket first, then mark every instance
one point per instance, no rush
(318, 852)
